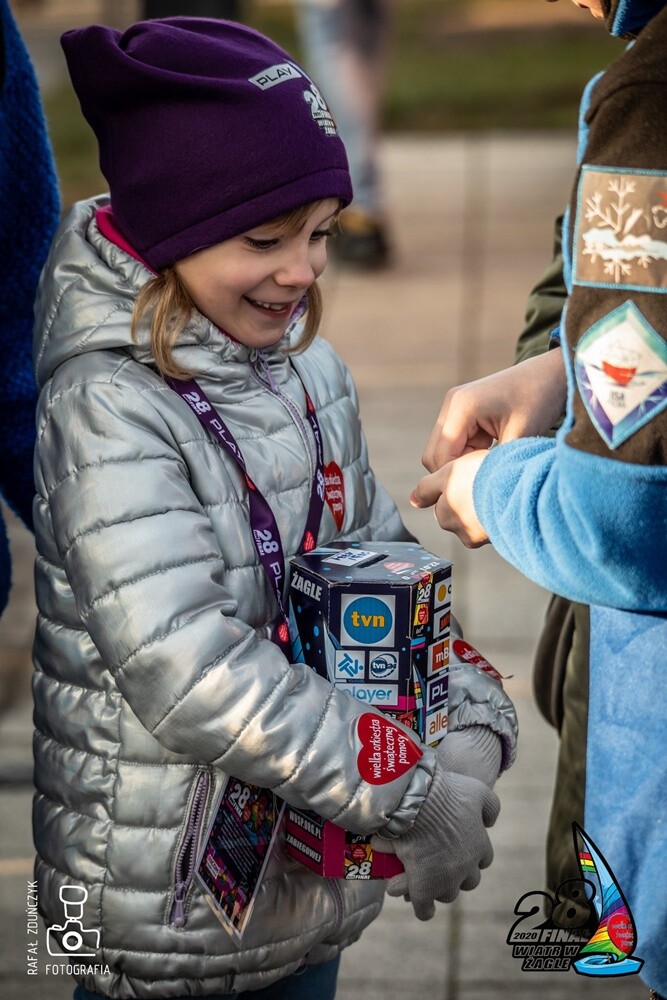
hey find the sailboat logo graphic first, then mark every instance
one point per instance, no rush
(609, 951)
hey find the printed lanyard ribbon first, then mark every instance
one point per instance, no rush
(265, 534)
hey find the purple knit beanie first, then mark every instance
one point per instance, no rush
(205, 128)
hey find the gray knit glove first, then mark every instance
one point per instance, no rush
(476, 751)
(447, 845)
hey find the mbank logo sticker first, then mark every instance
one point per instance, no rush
(367, 621)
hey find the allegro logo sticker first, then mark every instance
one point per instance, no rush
(367, 621)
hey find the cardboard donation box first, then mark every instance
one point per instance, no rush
(374, 620)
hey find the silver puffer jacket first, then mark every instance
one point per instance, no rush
(154, 677)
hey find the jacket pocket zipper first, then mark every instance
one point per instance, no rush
(187, 850)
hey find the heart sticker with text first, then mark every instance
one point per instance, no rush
(386, 751)
(468, 653)
(334, 492)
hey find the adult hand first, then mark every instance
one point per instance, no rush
(517, 402)
(450, 489)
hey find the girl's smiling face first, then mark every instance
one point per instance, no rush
(250, 285)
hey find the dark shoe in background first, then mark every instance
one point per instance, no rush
(360, 242)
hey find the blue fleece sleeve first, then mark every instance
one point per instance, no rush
(587, 527)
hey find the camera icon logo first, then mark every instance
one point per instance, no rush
(74, 938)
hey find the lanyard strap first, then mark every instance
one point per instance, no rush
(263, 526)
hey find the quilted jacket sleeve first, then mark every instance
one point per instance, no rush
(149, 584)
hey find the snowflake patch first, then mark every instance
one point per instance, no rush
(621, 370)
(621, 229)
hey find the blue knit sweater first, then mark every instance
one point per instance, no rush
(29, 215)
(582, 517)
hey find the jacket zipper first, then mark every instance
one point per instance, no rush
(187, 851)
(267, 381)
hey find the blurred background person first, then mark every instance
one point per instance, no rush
(346, 45)
(28, 217)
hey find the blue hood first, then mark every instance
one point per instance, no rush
(627, 17)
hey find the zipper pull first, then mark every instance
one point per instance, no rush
(177, 915)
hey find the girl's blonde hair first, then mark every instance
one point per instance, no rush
(170, 306)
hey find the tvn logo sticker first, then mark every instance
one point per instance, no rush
(384, 666)
(373, 694)
(349, 666)
(367, 621)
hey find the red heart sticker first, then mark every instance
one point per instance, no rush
(386, 751)
(468, 653)
(621, 932)
(334, 492)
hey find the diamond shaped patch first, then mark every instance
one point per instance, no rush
(621, 370)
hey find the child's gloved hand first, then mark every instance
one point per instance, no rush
(476, 751)
(447, 845)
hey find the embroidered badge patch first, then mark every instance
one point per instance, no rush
(621, 229)
(621, 370)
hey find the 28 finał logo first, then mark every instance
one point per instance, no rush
(588, 925)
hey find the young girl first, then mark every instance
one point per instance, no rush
(186, 416)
